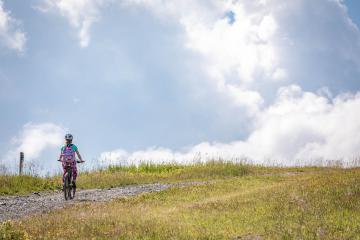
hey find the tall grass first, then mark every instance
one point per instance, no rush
(10, 185)
(149, 173)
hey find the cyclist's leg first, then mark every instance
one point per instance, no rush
(64, 172)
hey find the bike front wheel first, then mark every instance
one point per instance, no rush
(73, 190)
(69, 191)
(66, 187)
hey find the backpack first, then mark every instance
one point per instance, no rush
(68, 152)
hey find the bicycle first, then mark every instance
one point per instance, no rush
(69, 187)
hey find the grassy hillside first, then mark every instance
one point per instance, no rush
(266, 203)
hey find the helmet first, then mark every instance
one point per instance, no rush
(69, 137)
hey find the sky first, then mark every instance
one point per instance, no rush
(274, 82)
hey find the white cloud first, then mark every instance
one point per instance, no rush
(306, 126)
(114, 157)
(239, 96)
(241, 49)
(34, 140)
(81, 14)
(279, 74)
(10, 34)
(300, 128)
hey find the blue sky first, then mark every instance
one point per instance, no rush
(353, 7)
(163, 81)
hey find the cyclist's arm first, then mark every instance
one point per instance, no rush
(61, 156)
(79, 156)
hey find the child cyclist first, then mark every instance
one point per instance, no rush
(68, 153)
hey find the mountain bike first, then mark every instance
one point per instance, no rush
(69, 187)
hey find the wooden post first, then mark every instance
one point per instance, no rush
(21, 165)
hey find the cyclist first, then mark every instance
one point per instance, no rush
(68, 153)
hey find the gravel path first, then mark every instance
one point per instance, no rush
(15, 207)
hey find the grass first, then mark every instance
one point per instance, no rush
(321, 204)
(10, 185)
(150, 173)
(115, 176)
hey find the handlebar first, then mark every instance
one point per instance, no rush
(67, 161)
(77, 161)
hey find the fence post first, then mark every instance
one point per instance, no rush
(21, 165)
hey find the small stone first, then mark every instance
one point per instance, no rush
(2, 203)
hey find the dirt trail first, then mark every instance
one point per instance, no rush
(15, 207)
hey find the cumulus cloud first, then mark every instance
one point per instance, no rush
(234, 50)
(34, 140)
(240, 49)
(81, 14)
(305, 126)
(300, 128)
(10, 33)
